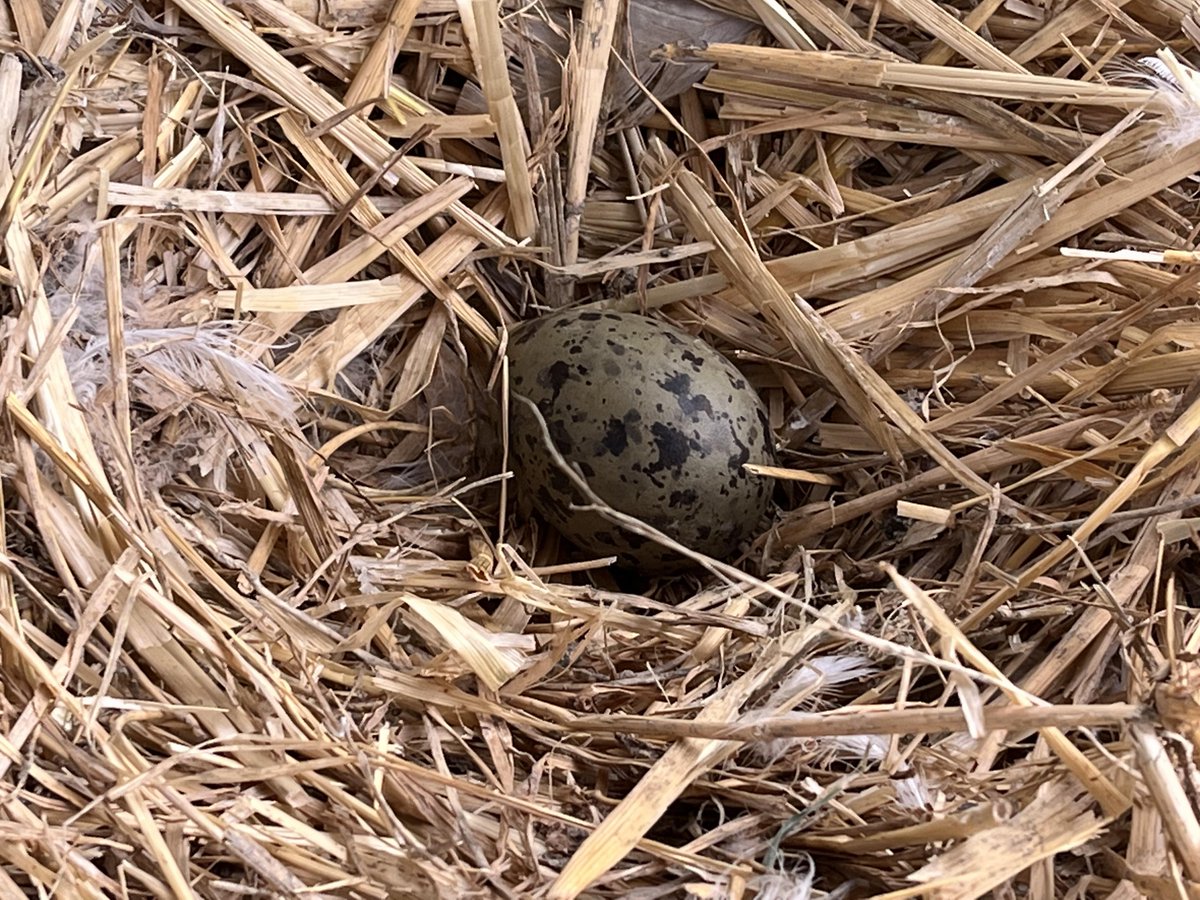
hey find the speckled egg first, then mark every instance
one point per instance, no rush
(658, 422)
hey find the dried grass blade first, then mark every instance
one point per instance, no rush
(846, 69)
(928, 16)
(976, 19)
(781, 25)
(492, 664)
(491, 68)
(298, 299)
(590, 54)
(857, 720)
(252, 203)
(1170, 796)
(374, 77)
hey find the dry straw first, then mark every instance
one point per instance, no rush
(274, 619)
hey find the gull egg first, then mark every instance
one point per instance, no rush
(659, 424)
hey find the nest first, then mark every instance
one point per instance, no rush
(272, 621)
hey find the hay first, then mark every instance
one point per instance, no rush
(273, 620)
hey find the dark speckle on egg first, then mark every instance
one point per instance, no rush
(662, 434)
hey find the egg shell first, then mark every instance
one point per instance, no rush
(657, 421)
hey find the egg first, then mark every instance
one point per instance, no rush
(658, 422)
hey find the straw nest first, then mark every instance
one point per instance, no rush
(272, 621)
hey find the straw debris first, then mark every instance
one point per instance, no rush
(276, 621)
